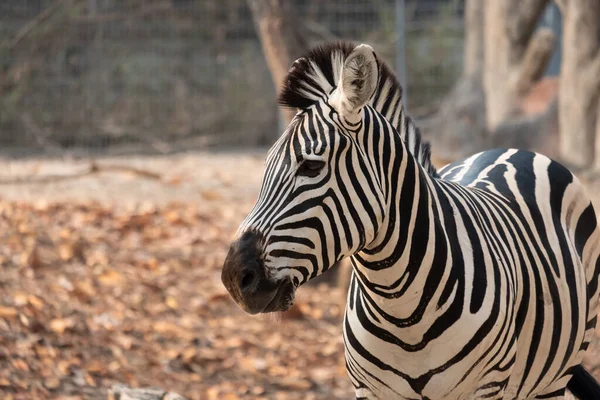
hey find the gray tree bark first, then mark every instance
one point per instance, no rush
(280, 37)
(474, 49)
(579, 83)
(517, 54)
(464, 106)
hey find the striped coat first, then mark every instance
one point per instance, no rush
(478, 281)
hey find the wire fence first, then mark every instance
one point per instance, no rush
(166, 75)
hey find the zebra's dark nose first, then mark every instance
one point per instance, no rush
(248, 281)
(244, 275)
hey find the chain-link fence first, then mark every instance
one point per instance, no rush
(179, 74)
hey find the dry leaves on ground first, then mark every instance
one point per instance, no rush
(93, 296)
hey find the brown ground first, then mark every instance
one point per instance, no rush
(114, 277)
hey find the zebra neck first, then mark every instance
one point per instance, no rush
(397, 263)
(409, 131)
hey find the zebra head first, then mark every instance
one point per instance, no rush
(320, 199)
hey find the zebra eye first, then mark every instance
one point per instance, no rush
(310, 168)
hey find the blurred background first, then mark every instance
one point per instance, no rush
(164, 75)
(132, 140)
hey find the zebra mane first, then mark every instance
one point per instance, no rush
(313, 77)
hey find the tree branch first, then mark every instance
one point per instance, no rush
(44, 15)
(278, 34)
(580, 83)
(92, 169)
(523, 22)
(593, 74)
(281, 40)
(535, 60)
(562, 4)
(474, 48)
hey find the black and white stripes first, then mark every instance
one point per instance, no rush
(480, 281)
(312, 79)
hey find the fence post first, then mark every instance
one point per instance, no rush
(401, 49)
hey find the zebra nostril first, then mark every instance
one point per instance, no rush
(247, 280)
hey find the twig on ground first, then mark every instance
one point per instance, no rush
(92, 169)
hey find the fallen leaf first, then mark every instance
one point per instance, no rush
(294, 313)
(110, 277)
(171, 302)
(172, 330)
(292, 383)
(95, 366)
(31, 258)
(89, 380)
(173, 217)
(66, 251)
(20, 298)
(8, 312)
(36, 302)
(258, 390)
(60, 325)
(213, 393)
(52, 383)
(85, 290)
(20, 365)
(125, 342)
(211, 195)
(174, 180)
(216, 297)
(188, 354)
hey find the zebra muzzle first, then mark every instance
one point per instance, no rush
(245, 277)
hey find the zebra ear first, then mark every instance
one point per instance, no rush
(297, 63)
(357, 83)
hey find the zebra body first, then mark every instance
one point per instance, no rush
(476, 282)
(521, 316)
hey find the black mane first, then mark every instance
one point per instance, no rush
(312, 78)
(299, 75)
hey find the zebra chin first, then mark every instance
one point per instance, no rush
(282, 300)
(245, 277)
(271, 297)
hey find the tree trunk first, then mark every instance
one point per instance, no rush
(474, 50)
(517, 54)
(579, 83)
(465, 104)
(281, 40)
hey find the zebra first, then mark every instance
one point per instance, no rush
(478, 281)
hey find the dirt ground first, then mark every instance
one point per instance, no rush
(111, 275)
